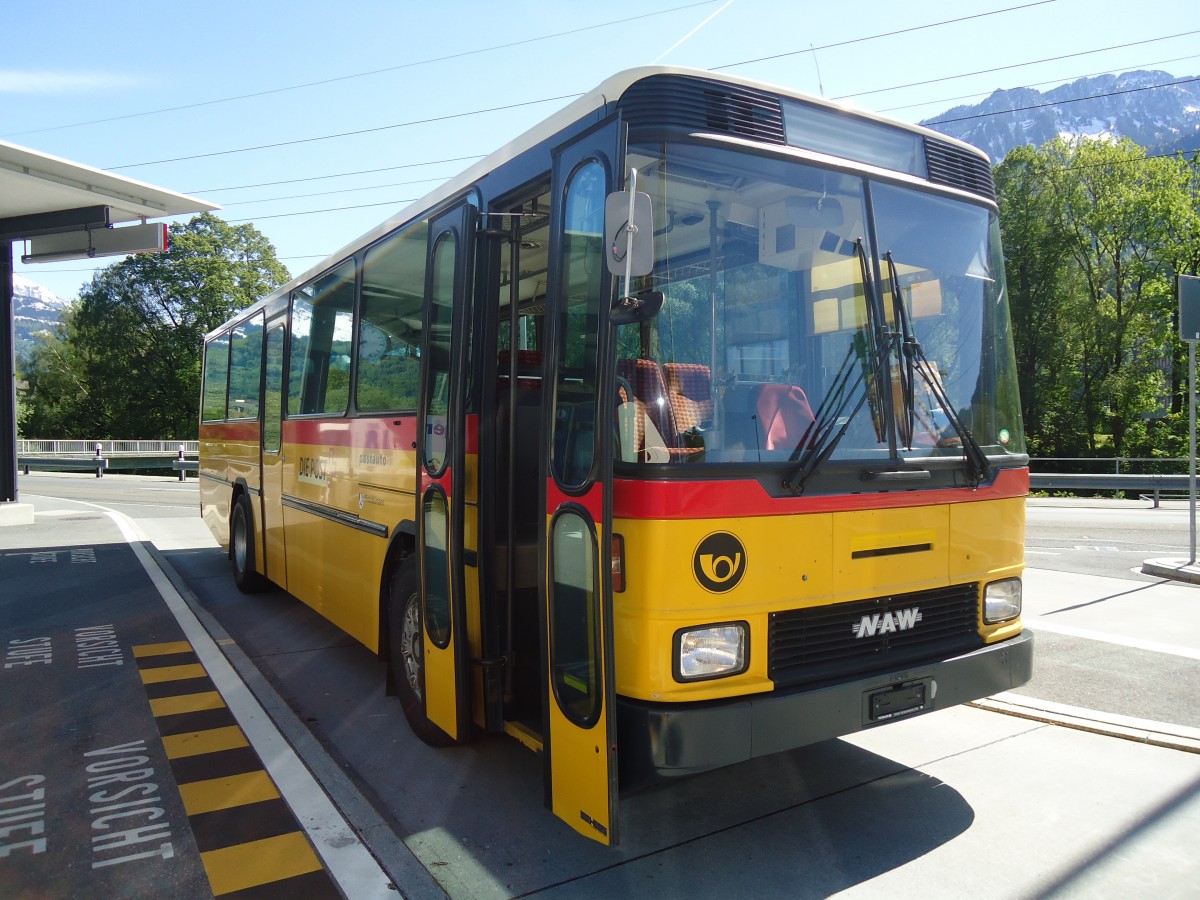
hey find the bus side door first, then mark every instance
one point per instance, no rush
(441, 469)
(273, 459)
(580, 750)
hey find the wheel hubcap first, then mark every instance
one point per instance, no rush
(410, 644)
(239, 544)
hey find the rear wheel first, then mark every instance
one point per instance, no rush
(406, 651)
(241, 547)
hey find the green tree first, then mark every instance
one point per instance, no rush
(1038, 270)
(1094, 233)
(126, 362)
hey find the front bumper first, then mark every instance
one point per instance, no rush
(665, 740)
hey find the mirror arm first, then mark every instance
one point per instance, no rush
(630, 230)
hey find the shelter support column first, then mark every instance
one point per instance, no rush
(11, 512)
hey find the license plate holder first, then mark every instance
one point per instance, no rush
(897, 700)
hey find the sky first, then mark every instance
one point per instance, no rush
(372, 104)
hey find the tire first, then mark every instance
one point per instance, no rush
(406, 655)
(241, 548)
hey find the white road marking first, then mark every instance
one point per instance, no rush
(349, 862)
(1041, 623)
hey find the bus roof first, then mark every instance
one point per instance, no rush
(608, 91)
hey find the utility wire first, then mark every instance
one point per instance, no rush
(370, 187)
(329, 137)
(241, 187)
(571, 96)
(873, 37)
(423, 62)
(312, 212)
(1059, 82)
(943, 121)
(1152, 87)
(899, 87)
(200, 192)
(474, 157)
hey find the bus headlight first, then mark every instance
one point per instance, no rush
(712, 651)
(1002, 601)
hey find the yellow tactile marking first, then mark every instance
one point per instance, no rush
(186, 703)
(210, 741)
(259, 862)
(172, 673)
(226, 793)
(143, 650)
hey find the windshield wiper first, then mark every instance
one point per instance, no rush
(915, 359)
(821, 438)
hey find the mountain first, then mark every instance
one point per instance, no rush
(35, 310)
(1135, 105)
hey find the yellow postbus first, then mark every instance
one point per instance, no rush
(681, 430)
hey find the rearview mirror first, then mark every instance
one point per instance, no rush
(629, 233)
(641, 308)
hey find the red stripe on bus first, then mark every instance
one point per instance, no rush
(723, 499)
(385, 433)
(592, 501)
(230, 431)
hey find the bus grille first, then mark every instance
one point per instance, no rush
(671, 101)
(956, 167)
(866, 636)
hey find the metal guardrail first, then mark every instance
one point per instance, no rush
(64, 455)
(1117, 465)
(60, 463)
(27, 447)
(56, 455)
(183, 466)
(1149, 486)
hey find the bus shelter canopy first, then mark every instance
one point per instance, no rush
(34, 183)
(42, 194)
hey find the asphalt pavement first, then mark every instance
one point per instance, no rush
(116, 651)
(133, 760)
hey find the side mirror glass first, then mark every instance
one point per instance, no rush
(641, 308)
(629, 238)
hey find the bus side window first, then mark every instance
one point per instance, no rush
(389, 339)
(245, 369)
(322, 329)
(216, 377)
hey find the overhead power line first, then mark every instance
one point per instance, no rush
(1001, 112)
(1038, 84)
(369, 187)
(329, 137)
(324, 81)
(312, 212)
(570, 96)
(201, 192)
(874, 37)
(1020, 65)
(242, 187)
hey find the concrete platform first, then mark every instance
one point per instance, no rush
(1178, 568)
(16, 514)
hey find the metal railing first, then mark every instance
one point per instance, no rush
(106, 448)
(59, 455)
(1113, 474)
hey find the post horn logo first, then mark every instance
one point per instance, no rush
(719, 562)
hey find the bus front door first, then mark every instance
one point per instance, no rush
(272, 456)
(580, 749)
(441, 468)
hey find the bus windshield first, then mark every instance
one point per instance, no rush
(811, 311)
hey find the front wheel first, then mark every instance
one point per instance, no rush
(241, 548)
(406, 651)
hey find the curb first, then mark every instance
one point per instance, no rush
(1178, 569)
(408, 874)
(1144, 731)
